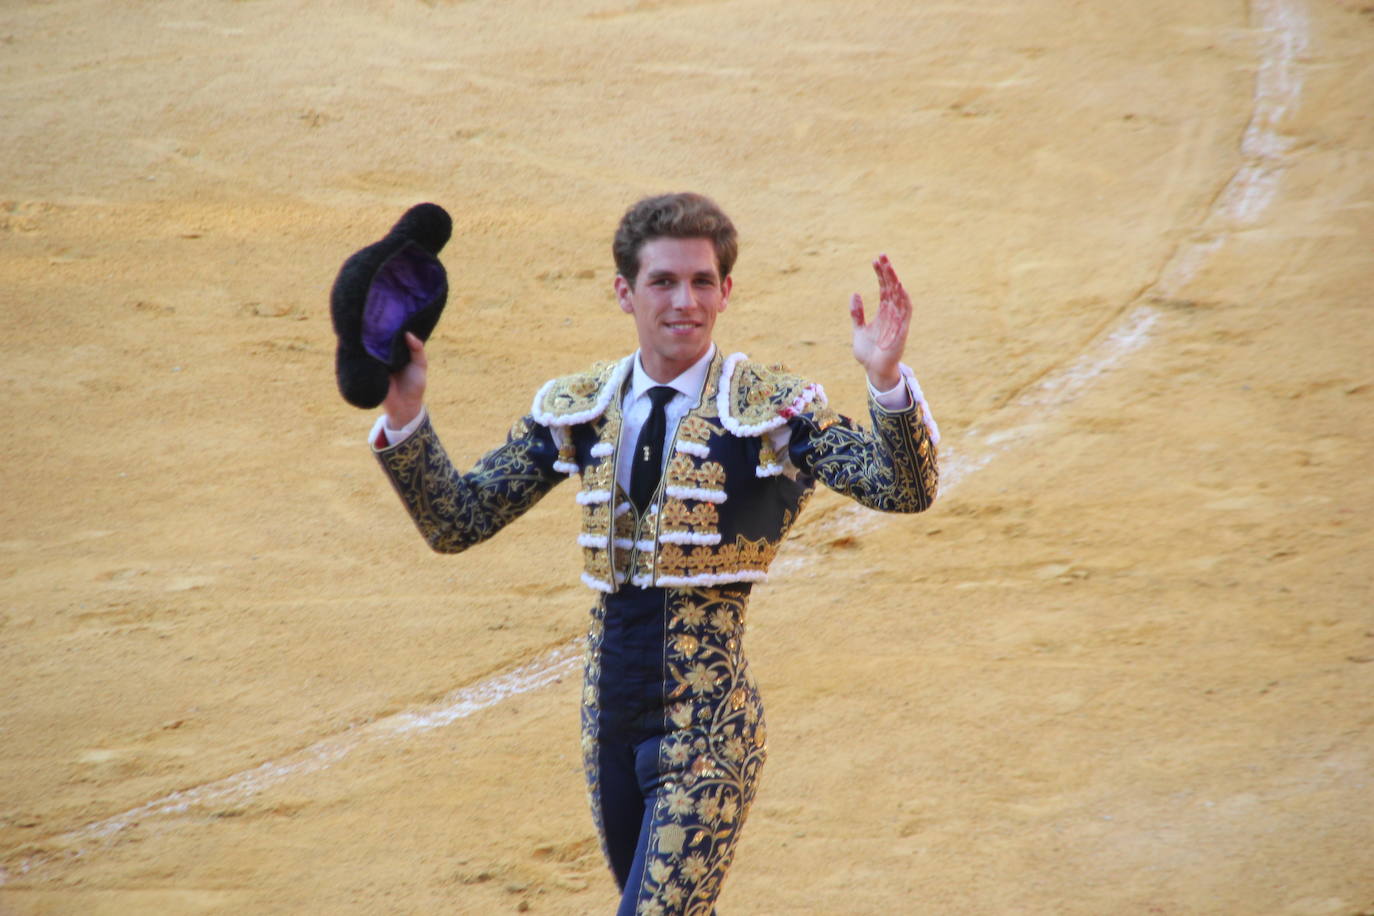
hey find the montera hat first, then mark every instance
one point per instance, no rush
(382, 291)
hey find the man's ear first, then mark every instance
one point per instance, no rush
(622, 294)
(725, 286)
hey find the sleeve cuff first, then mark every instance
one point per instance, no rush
(902, 395)
(894, 398)
(383, 436)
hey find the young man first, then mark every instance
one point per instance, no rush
(693, 466)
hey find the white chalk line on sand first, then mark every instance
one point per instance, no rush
(215, 796)
(1247, 194)
(1278, 86)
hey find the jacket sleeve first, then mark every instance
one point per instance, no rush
(893, 468)
(454, 510)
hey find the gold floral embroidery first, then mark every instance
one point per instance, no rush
(742, 555)
(696, 429)
(893, 469)
(671, 560)
(684, 471)
(454, 511)
(674, 516)
(713, 759)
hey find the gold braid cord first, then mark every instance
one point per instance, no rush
(455, 511)
(893, 469)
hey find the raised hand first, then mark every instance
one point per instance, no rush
(406, 395)
(878, 344)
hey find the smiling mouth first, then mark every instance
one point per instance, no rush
(683, 325)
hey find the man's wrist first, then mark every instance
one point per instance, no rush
(885, 380)
(897, 396)
(398, 416)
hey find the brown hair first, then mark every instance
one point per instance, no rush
(679, 216)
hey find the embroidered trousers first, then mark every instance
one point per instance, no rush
(673, 741)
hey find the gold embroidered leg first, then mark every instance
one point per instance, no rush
(709, 764)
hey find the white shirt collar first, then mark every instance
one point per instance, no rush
(689, 382)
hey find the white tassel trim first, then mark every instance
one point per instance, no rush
(692, 448)
(624, 544)
(592, 497)
(603, 450)
(706, 496)
(643, 580)
(598, 541)
(708, 579)
(567, 467)
(603, 399)
(768, 470)
(810, 393)
(688, 537)
(593, 582)
(623, 508)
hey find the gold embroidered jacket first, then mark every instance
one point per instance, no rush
(724, 503)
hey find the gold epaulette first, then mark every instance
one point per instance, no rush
(760, 398)
(572, 399)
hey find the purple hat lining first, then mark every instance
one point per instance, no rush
(408, 282)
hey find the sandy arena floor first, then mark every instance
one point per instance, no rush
(1124, 666)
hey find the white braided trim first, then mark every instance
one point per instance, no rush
(692, 448)
(592, 582)
(768, 470)
(599, 541)
(592, 497)
(707, 579)
(688, 537)
(706, 496)
(643, 580)
(623, 508)
(624, 544)
(603, 399)
(567, 467)
(603, 450)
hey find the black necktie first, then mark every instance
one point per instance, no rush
(648, 456)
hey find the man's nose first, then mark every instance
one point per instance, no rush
(684, 297)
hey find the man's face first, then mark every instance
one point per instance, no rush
(674, 300)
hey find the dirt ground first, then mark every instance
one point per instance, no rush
(1124, 666)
